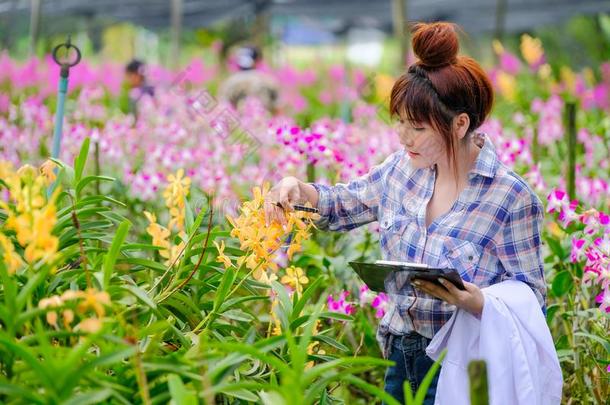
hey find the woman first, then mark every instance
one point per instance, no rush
(444, 200)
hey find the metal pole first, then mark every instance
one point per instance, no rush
(8, 22)
(399, 20)
(34, 24)
(176, 21)
(65, 64)
(261, 23)
(500, 19)
(571, 141)
(59, 114)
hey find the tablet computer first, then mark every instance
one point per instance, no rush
(375, 274)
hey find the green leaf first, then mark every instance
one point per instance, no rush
(423, 387)
(180, 395)
(112, 254)
(154, 328)
(330, 341)
(239, 300)
(9, 285)
(85, 181)
(562, 284)
(114, 217)
(90, 397)
(336, 316)
(565, 354)
(604, 342)
(550, 313)
(324, 398)
(265, 346)
(139, 246)
(114, 358)
(310, 375)
(83, 213)
(223, 290)
(188, 252)
(408, 393)
(65, 174)
(254, 351)
(31, 360)
(271, 398)
(151, 264)
(26, 291)
(298, 307)
(139, 294)
(285, 302)
(562, 342)
(555, 247)
(189, 216)
(12, 390)
(240, 393)
(237, 315)
(81, 159)
(372, 389)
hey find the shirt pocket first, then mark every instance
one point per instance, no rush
(388, 215)
(463, 256)
(387, 233)
(392, 225)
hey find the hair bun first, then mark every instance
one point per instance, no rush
(435, 44)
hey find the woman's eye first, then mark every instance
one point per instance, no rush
(419, 129)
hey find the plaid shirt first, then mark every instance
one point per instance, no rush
(490, 234)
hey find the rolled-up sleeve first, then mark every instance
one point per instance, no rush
(347, 206)
(519, 249)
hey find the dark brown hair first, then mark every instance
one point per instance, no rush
(441, 84)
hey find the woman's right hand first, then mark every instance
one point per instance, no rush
(287, 192)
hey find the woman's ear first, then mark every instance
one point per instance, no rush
(461, 122)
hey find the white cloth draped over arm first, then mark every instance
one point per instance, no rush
(514, 340)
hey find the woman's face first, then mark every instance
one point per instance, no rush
(423, 144)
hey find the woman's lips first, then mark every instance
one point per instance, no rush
(412, 154)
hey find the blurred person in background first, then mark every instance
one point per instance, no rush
(137, 86)
(249, 81)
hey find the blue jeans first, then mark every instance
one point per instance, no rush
(412, 364)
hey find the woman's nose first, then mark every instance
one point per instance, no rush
(408, 142)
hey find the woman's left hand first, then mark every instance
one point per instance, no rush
(471, 299)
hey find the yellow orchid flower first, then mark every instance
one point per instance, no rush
(222, 258)
(89, 325)
(175, 195)
(47, 170)
(260, 241)
(568, 77)
(32, 217)
(497, 47)
(160, 237)
(11, 259)
(314, 347)
(507, 85)
(95, 300)
(275, 323)
(295, 277)
(531, 49)
(266, 278)
(68, 316)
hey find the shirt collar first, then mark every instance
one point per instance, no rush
(487, 160)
